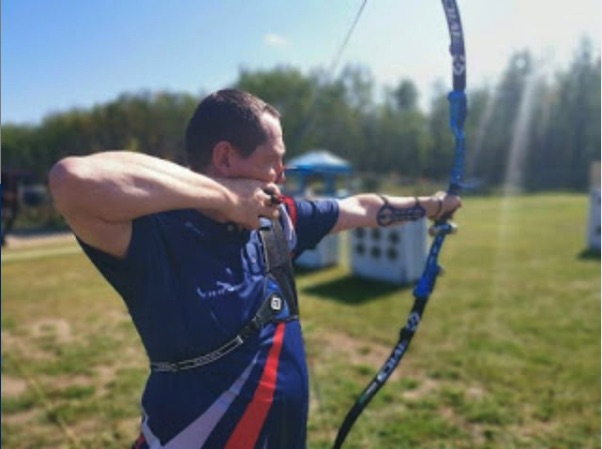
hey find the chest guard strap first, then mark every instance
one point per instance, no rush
(279, 267)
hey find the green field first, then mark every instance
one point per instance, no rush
(507, 355)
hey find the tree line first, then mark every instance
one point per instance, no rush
(531, 130)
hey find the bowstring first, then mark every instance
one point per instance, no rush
(339, 53)
(309, 120)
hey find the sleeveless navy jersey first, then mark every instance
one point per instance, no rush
(190, 285)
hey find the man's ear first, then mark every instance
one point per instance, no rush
(222, 158)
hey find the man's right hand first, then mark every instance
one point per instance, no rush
(249, 200)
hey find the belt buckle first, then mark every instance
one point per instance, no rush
(276, 304)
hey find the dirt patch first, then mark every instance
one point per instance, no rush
(21, 418)
(12, 386)
(359, 353)
(33, 240)
(57, 328)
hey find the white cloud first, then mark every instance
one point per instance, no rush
(275, 40)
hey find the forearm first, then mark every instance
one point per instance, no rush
(120, 186)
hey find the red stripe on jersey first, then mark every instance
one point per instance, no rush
(292, 208)
(247, 430)
(140, 443)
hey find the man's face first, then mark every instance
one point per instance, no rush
(266, 162)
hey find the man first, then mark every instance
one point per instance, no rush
(201, 257)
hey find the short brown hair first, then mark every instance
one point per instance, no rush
(227, 115)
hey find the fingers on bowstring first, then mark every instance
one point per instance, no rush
(274, 195)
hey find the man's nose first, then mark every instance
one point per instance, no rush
(281, 177)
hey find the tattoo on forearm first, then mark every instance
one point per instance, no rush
(388, 215)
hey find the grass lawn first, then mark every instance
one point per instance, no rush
(507, 355)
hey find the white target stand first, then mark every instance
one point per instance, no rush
(593, 228)
(593, 224)
(394, 254)
(325, 254)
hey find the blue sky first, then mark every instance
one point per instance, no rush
(60, 54)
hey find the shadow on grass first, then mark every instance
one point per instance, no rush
(305, 271)
(589, 254)
(353, 290)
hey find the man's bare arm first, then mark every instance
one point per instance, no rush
(99, 195)
(366, 210)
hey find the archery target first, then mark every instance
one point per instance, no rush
(325, 254)
(395, 254)
(593, 230)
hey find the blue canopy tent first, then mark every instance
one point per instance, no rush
(304, 168)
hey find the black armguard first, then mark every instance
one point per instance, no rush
(388, 215)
